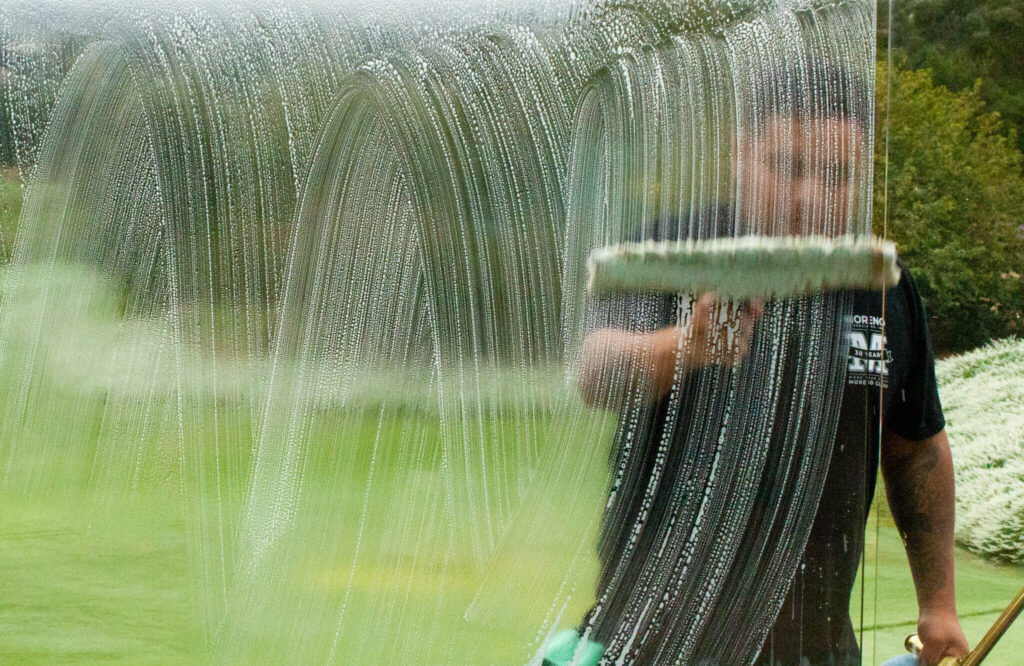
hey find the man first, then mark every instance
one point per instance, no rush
(890, 366)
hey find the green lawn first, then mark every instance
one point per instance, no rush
(95, 574)
(87, 581)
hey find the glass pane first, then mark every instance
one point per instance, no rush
(303, 361)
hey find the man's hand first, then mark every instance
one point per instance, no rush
(941, 635)
(716, 334)
(719, 333)
(617, 363)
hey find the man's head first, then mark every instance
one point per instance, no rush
(802, 160)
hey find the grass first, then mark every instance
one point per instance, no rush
(91, 577)
(87, 578)
(68, 596)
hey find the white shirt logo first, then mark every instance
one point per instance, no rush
(869, 354)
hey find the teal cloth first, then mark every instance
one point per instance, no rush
(567, 644)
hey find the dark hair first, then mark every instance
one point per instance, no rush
(814, 89)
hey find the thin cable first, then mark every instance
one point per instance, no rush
(885, 235)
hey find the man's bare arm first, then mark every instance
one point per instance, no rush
(618, 363)
(919, 485)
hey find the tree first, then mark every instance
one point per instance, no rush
(955, 206)
(962, 41)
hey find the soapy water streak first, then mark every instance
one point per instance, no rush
(316, 277)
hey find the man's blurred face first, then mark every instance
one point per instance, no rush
(802, 176)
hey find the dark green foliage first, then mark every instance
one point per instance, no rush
(955, 208)
(963, 41)
(6, 134)
(6, 129)
(10, 210)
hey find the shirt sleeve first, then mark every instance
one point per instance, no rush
(916, 413)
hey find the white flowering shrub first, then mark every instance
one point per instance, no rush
(983, 398)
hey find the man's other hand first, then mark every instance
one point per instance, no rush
(941, 635)
(617, 363)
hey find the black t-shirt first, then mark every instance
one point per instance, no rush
(897, 363)
(814, 623)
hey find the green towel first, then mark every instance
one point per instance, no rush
(566, 644)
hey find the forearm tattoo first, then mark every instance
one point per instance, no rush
(917, 503)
